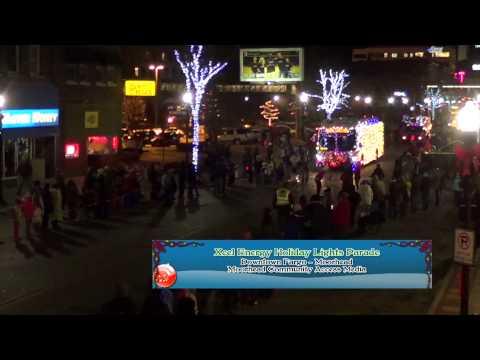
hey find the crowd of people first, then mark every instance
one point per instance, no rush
(361, 204)
(39, 207)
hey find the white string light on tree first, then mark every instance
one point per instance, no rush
(197, 77)
(333, 84)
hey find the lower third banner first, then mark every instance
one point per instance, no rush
(292, 264)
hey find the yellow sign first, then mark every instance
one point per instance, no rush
(91, 119)
(140, 88)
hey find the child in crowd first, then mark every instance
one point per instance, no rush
(16, 218)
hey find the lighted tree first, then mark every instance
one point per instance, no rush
(433, 99)
(269, 112)
(133, 109)
(333, 84)
(197, 76)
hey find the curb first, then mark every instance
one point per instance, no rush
(443, 289)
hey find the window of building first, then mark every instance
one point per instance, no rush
(11, 52)
(102, 145)
(411, 55)
(34, 60)
(71, 74)
(100, 75)
(442, 54)
(405, 55)
(394, 55)
(112, 76)
(83, 74)
(359, 57)
(385, 55)
(419, 54)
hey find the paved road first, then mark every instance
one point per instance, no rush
(76, 271)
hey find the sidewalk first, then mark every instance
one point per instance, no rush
(447, 300)
(9, 193)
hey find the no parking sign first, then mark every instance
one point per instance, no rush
(464, 246)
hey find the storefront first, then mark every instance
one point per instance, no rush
(90, 134)
(30, 128)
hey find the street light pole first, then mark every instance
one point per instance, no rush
(156, 68)
(300, 120)
(2, 103)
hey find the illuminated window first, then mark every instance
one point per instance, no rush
(102, 145)
(419, 54)
(405, 55)
(441, 54)
(411, 55)
(394, 55)
(72, 151)
(385, 55)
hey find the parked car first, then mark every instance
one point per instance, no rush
(237, 136)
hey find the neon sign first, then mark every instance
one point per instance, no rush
(460, 76)
(29, 118)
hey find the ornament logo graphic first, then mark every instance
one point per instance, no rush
(164, 276)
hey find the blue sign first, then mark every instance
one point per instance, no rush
(29, 118)
(292, 264)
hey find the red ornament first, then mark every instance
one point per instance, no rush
(164, 276)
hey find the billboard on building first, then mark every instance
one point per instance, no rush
(140, 88)
(282, 65)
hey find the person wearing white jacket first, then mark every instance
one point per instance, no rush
(366, 194)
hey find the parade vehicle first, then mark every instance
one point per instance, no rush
(349, 141)
(415, 130)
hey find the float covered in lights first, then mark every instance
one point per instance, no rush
(357, 142)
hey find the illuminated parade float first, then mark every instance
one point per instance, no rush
(349, 141)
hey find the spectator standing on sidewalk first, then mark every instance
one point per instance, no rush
(57, 206)
(318, 181)
(394, 191)
(378, 172)
(47, 206)
(25, 172)
(341, 216)
(73, 200)
(192, 182)
(17, 216)
(28, 210)
(357, 174)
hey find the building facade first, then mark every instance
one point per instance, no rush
(81, 85)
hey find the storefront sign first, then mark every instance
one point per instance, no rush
(140, 88)
(476, 67)
(435, 49)
(28, 118)
(91, 119)
(72, 151)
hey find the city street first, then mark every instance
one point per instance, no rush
(76, 270)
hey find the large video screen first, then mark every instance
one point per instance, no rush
(271, 65)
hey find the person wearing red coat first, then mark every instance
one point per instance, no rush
(28, 210)
(341, 216)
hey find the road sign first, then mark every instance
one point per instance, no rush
(464, 246)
